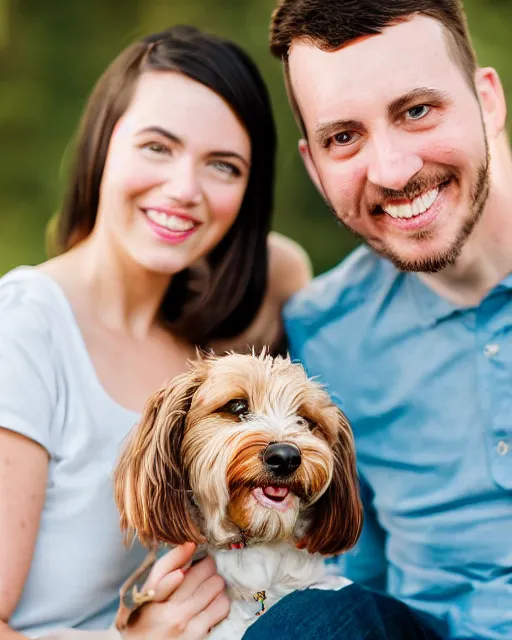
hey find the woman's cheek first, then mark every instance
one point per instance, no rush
(140, 178)
(225, 202)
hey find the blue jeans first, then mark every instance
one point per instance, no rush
(353, 613)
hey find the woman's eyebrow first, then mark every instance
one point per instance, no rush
(174, 138)
(162, 132)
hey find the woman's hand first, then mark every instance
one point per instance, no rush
(186, 602)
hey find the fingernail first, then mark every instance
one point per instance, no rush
(186, 567)
(151, 593)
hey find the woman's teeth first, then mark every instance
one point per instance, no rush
(414, 208)
(173, 223)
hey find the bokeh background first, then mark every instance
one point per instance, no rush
(52, 52)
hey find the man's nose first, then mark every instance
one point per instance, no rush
(392, 164)
(183, 183)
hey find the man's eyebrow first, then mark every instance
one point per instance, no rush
(325, 130)
(421, 93)
(173, 138)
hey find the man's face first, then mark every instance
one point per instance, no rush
(395, 141)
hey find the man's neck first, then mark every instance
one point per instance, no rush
(486, 257)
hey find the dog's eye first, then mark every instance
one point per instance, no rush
(304, 422)
(237, 407)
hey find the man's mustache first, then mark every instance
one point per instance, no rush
(417, 186)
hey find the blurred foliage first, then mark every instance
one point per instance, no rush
(52, 52)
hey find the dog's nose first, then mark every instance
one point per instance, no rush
(282, 459)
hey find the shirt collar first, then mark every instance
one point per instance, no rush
(433, 308)
(504, 285)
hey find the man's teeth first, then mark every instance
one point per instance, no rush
(173, 223)
(414, 208)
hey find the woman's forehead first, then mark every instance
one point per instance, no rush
(187, 109)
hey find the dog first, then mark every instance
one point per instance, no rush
(249, 458)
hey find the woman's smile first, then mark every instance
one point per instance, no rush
(170, 226)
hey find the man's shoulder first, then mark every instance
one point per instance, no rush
(347, 288)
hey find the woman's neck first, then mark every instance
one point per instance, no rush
(110, 288)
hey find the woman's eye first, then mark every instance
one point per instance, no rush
(345, 138)
(236, 407)
(226, 167)
(156, 147)
(418, 112)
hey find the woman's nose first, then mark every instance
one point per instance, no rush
(182, 183)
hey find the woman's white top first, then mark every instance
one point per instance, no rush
(49, 392)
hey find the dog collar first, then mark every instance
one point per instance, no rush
(241, 544)
(238, 545)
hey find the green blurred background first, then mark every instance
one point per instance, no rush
(52, 52)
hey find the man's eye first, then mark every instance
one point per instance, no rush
(345, 138)
(418, 112)
(236, 407)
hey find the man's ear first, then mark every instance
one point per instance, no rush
(492, 100)
(309, 163)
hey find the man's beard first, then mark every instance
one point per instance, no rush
(436, 262)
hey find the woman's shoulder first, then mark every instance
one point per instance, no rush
(26, 297)
(289, 267)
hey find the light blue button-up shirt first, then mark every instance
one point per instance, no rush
(428, 390)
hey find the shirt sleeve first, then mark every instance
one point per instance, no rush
(28, 390)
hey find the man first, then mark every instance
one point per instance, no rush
(404, 136)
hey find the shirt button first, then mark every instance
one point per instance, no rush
(502, 448)
(491, 350)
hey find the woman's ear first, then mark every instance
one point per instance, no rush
(151, 485)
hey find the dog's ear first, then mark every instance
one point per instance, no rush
(151, 485)
(337, 517)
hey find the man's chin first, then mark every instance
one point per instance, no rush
(431, 264)
(432, 261)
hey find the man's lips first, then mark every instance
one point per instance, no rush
(408, 218)
(405, 208)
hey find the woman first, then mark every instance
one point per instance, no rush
(163, 242)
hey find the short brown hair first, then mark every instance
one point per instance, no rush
(331, 24)
(220, 301)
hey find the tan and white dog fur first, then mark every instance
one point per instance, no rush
(249, 458)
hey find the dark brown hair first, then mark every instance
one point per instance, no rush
(331, 24)
(229, 295)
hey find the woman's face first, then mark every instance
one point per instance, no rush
(175, 175)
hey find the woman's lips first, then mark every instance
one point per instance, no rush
(171, 228)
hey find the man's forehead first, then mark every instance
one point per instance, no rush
(409, 46)
(369, 75)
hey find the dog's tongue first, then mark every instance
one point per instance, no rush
(276, 492)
